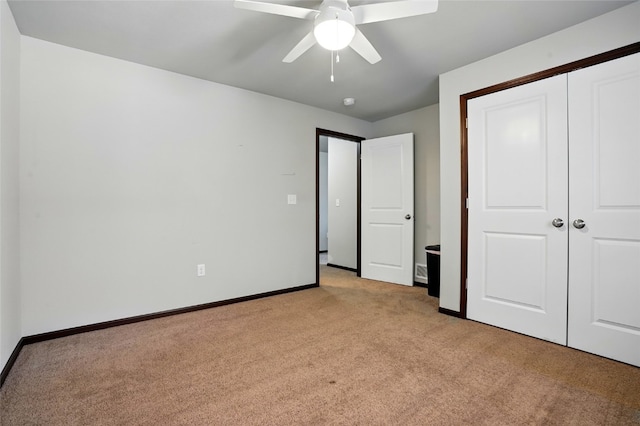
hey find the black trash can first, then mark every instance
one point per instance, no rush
(433, 270)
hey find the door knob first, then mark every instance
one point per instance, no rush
(557, 222)
(579, 224)
(408, 217)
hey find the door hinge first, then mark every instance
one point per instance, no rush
(466, 122)
(466, 203)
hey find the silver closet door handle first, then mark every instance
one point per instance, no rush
(557, 222)
(408, 217)
(579, 224)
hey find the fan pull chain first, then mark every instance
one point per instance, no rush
(332, 66)
(337, 54)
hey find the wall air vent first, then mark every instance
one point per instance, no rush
(421, 272)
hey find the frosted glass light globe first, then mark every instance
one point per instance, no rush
(334, 29)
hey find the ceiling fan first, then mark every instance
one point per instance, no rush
(334, 22)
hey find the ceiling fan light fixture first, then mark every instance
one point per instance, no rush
(334, 28)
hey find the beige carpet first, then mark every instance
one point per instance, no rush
(350, 352)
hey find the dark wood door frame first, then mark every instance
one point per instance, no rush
(352, 138)
(562, 69)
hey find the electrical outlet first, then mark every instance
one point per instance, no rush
(200, 269)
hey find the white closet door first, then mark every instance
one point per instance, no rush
(517, 267)
(604, 271)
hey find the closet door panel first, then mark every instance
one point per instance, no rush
(517, 267)
(604, 189)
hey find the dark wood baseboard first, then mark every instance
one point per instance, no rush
(12, 359)
(450, 312)
(420, 284)
(342, 267)
(131, 320)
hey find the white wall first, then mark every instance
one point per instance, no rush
(604, 33)
(322, 195)
(424, 124)
(343, 186)
(130, 176)
(10, 328)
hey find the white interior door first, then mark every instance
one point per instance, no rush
(517, 172)
(604, 259)
(387, 209)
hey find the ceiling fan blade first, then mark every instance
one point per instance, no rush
(305, 44)
(377, 12)
(364, 47)
(277, 9)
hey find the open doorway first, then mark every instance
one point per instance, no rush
(327, 198)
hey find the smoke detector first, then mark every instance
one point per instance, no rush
(349, 101)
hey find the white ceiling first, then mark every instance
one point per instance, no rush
(213, 40)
